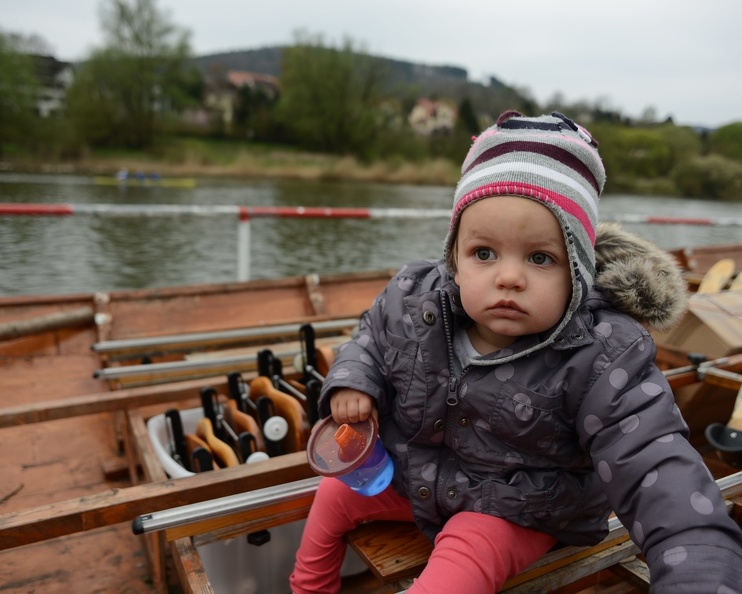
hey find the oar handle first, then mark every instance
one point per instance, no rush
(735, 421)
(224, 455)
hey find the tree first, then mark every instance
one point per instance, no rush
(253, 113)
(141, 74)
(467, 120)
(18, 88)
(330, 96)
(727, 141)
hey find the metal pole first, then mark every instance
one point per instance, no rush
(243, 247)
(214, 508)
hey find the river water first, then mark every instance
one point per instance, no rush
(94, 252)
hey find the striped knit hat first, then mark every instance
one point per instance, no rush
(549, 159)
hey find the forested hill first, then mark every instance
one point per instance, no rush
(401, 77)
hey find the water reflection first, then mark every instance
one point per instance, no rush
(83, 253)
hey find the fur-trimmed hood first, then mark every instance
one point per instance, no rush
(639, 278)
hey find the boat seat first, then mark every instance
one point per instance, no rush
(397, 552)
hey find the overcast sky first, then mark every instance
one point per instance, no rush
(680, 57)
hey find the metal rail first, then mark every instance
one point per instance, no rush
(244, 214)
(730, 486)
(224, 506)
(154, 344)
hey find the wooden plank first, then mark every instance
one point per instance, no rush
(140, 450)
(634, 572)
(104, 402)
(557, 578)
(190, 568)
(723, 379)
(47, 323)
(392, 550)
(164, 393)
(397, 551)
(123, 505)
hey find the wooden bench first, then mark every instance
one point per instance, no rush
(397, 552)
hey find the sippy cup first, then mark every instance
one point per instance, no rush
(352, 453)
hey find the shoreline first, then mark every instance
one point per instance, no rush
(310, 167)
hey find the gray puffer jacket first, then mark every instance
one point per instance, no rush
(554, 439)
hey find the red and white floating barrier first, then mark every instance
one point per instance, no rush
(244, 214)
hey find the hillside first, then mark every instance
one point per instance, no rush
(403, 78)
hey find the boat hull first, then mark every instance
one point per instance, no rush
(82, 374)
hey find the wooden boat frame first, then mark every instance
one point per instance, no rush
(58, 327)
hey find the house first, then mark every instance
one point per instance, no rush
(54, 78)
(222, 91)
(431, 116)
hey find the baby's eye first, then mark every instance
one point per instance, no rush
(541, 259)
(484, 254)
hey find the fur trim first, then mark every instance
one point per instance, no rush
(639, 278)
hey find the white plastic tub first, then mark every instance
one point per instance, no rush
(236, 566)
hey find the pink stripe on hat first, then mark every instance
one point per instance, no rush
(529, 191)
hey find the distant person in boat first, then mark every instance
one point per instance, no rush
(516, 391)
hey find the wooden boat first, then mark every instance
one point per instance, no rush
(146, 181)
(82, 375)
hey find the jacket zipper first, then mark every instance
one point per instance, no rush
(452, 396)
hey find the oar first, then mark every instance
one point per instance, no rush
(308, 354)
(210, 405)
(199, 454)
(717, 276)
(240, 392)
(223, 454)
(53, 321)
(248, 447)
(727, 439)
(290, 410)
(325, 357)
(202, 460)
(274, 428)
(272, 368)
(177, 438)
(314, 387)
(243, 423)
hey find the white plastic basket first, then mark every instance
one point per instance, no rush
(235, 566)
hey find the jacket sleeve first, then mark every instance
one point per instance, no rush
(359, 363)
(655, 480)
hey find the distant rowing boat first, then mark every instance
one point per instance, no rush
(155, 182)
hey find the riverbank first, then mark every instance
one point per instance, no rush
(204, 161)
(200, 158)
(294, 165)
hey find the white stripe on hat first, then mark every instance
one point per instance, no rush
(534, 169)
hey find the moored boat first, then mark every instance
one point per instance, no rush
(83, 374)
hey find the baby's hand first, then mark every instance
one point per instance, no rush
(352, 406)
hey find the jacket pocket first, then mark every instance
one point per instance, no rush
(400, 361)
(527, 420)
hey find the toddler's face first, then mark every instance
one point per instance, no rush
(513, 270)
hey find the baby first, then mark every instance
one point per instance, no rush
(516, 391)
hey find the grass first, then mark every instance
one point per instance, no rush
(198, 157)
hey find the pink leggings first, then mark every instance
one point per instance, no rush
(474, 553)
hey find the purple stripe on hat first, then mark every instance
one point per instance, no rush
(542, 148)
(531, 191)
